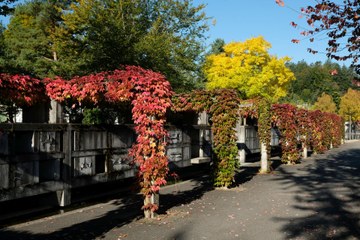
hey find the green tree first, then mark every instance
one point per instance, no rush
(30, 40)
(314, 79)
(68, 38)
(325, 103)
(2, 48)
(217, 46)
(248, 67)
(165, 36)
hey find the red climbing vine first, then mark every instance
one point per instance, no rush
(284, 117)
(18, 91)
(150, 94)
(304, 127)
(317, 129)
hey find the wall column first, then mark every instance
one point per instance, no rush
(241, 133)
(265, 166)
(56, 112)
(64, 195)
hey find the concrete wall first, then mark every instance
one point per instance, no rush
(42, 158)
(38, 158)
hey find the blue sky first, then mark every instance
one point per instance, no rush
(238, 20)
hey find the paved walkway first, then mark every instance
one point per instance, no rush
(317, 199)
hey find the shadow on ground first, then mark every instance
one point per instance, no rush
(170, 200)
(89, 229)
(328, 191)
(129, 210)
(249, 171)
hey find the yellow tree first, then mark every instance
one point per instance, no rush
(325, 103)
(248, 67)
(350, 108)
(350, 105)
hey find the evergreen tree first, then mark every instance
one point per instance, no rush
(314, 79)
(30, 38)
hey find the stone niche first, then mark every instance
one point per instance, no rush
(23, 142)
(49, 169)
(84, 166)
(25, 173)
(122, 137)
(119, 162)
(175, 136)
(86, 140)
(179, 148)
(174, 150)
(48, 142)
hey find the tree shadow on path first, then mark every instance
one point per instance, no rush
(128, 210)
(327, 191)
(87, 229)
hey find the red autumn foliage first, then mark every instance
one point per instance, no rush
(280, 2)
(340, 22)
(327, 130)
(317, 129)
(21, 90)
(150, 93)
(284, 117)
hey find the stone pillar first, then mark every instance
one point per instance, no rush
(241, 133)
(202, 120)
(265, 166)
(153, 199)
(56, 112)
(201, 143)
(305, 152)
(4, 165)
(64, 195)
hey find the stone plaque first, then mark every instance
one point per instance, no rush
(119, 162)
(84, 166)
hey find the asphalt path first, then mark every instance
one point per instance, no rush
(316, 199)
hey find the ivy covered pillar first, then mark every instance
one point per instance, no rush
(150, 96)
(264, 131)
(153, 199)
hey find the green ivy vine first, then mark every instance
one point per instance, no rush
(223, 108)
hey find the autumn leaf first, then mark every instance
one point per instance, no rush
(280, 3)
